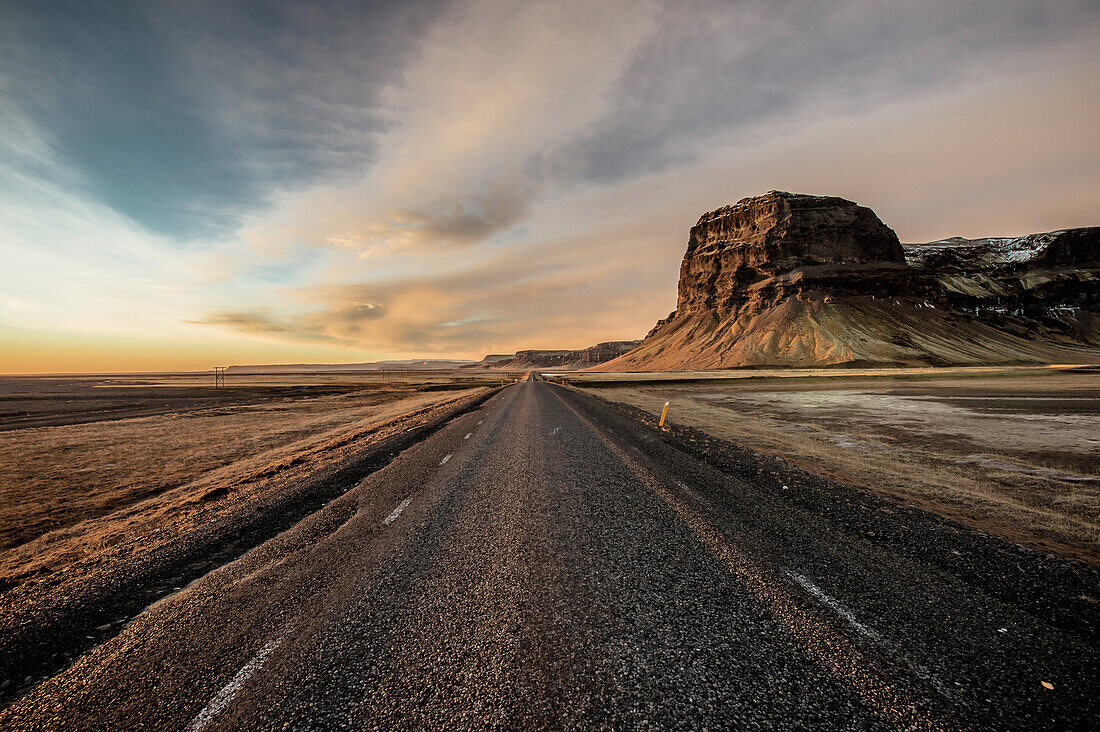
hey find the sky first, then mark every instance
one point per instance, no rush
(201, 183)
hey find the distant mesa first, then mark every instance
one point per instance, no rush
(763, 248)
(560, 359)
(787, 279)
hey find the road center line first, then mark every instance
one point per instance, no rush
(222, 699)
(397, 511)
(834, 605)
(445, 459)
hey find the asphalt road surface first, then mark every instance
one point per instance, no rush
(549, 561)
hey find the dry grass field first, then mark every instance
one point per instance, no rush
(1015, 452)
(78, 448)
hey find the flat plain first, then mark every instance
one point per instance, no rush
(534, 557)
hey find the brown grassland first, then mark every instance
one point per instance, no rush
(87, 462)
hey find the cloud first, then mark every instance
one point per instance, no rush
(568, 292)
(257, 321)
(453, 222)
(738, 73)
(494, 84)
(188, 117)
(267, 322)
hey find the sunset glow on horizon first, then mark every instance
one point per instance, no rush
(183, 185)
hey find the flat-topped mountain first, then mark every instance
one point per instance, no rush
(735, 251)
(798, 280)
(560, 359)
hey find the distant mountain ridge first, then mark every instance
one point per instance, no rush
(399, 365)
(527, 359)
(1039, 283)
(789, 279)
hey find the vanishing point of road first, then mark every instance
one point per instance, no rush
(548, 561)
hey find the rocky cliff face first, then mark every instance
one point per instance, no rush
(775, 243)
(1023, 281)
(797, 280)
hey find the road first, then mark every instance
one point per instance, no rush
(549, 561)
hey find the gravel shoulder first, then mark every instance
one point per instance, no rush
(1013, 455)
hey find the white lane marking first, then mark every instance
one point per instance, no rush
(836, 606)
(397, 511)
(920, 670)
(692, 492)
(222, 699)
(444, 460)
(467, 435)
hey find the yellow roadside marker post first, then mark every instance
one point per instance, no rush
(664, 413)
